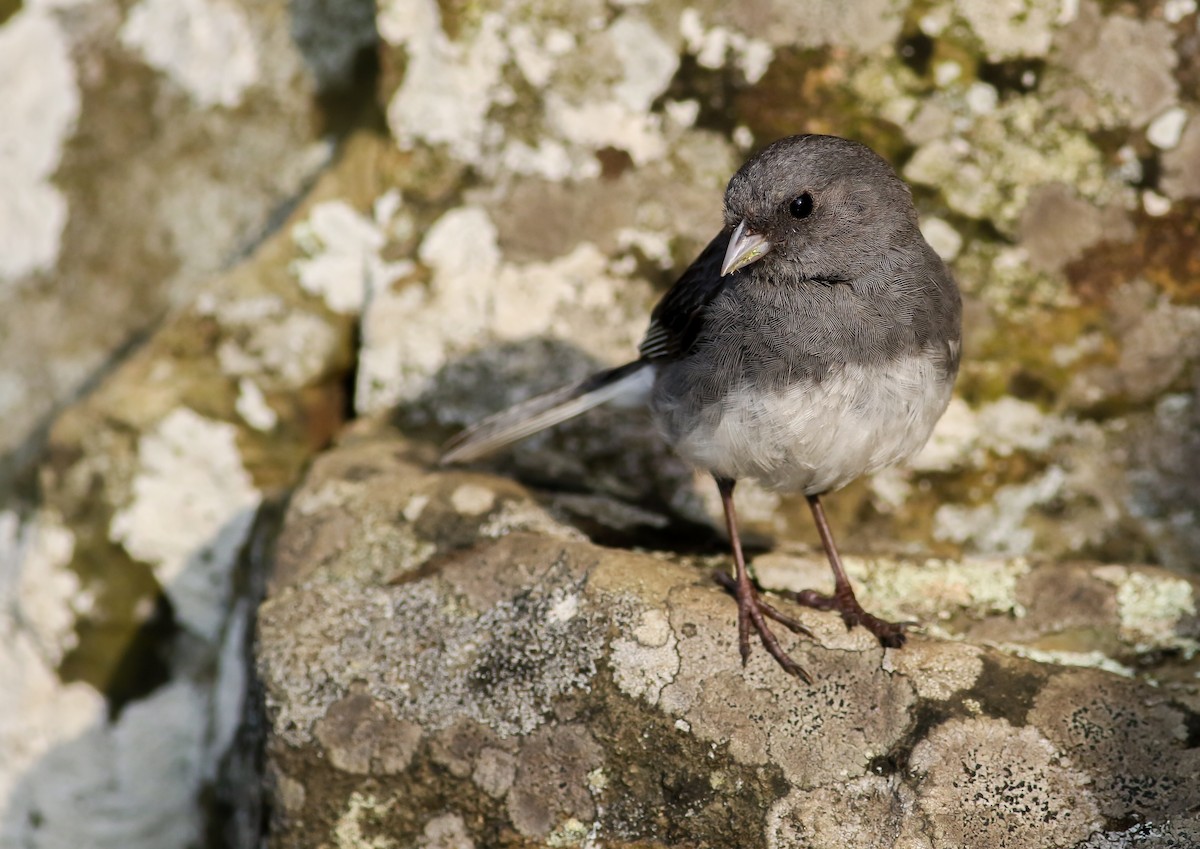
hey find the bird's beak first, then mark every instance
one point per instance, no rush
(745, 247)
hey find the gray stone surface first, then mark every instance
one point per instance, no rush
(447, 651)
(127, 592)
(525, 181)
(145, 147)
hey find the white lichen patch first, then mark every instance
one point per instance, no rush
(1175, 11)
(288, 352)
(1165, 131)
(613, 110)
(342, 262)
(592, 87)
(205, 46)
(1150, 607)
(334, 494)
(862, 26)
(475, 299)
(449, 86)
(252, 406)
(1155, 205)
(520, 515)
(647, 62)
(1011, 28)
(570, 832)
(597, 781)
(41, 722)
(537, 53)
(431, 685)
(38, 591)
(715, 47)
(270, 341)
(1055, 657)
(564, 607)
(1181, 177)
(988, 163)
(942, 237)
(867, 812)
(601, 124)
(472, 499)
(192, 505)
(642, 666)
(999, 526)
(964, 438)
(38, 713)
(415, 507)
(354, 827)
(40, 110)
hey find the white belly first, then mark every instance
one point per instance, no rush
(818, 437)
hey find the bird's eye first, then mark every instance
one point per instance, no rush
(802, 206)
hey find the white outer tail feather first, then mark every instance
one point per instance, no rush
(536, 414)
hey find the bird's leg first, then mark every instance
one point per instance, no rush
(889, 634)
(752, 611)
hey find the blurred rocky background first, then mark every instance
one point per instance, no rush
(227, 229)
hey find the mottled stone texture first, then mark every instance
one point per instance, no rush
(146, 146)
(447, 648)
(231, 227)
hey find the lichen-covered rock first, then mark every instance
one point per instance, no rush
(145, 146)
(531, 178)
(127, 592)
(1053, 174)
(446, 653)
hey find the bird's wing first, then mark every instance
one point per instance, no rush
(676, 319)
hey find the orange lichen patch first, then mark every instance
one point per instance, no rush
(1163, 252)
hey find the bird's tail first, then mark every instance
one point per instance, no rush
(626, 385)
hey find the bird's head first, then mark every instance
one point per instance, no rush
(816, 207)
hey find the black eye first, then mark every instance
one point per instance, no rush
(802, 206)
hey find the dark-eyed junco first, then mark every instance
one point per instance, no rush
(815, 339)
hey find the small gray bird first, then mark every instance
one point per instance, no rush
(815, 339)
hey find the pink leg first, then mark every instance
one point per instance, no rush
(753, 611)
(889, 634)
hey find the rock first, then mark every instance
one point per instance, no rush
(446, 657)
(127, 592)
(506, 188)
(146, 147)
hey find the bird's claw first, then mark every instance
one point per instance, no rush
(890, 634)
(753, 613)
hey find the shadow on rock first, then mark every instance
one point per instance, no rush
(607, 472)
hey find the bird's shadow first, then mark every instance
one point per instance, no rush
(607, 472)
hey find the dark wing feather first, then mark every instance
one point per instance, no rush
(676, 320)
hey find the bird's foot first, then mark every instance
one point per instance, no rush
(753, 612)
(890, 634)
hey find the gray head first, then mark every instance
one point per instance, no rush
(817, 207)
